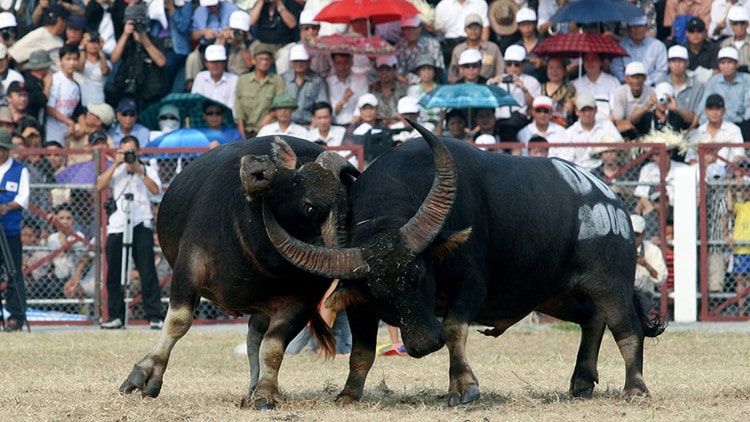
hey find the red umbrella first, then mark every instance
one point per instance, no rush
(578, 44)
(352, 43)
(379, 11)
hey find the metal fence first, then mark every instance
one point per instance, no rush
(60, 249)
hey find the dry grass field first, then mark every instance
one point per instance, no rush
(57, 375)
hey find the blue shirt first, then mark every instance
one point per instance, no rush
(179, 28)
(202, 19)
(652, 53)
(735, 96)
(139, 131)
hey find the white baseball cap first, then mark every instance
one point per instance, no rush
(485, 139)
(542, 101)
(239, 20)
(737, 14)
(729, 52)
(209, 3)
(677, 52)
(515, 53)
(408, 105)
(307, 17)
(389, 61)
(663, 88)
(635, 68)
(298, 53)
(410, 21)
(216, 53)
(525, 15)
(367, 99)
(7, 20)
(469, 56)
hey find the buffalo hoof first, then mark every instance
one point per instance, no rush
(585, 393)
(470, 394)
(344, 399)
(634, 395)
(257, 403)
(137, 380)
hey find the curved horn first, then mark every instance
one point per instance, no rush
(346, 263)
(425, 225)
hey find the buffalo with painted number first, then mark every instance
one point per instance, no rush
(498, 238)
(211, 230)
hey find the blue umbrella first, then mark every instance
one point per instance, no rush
(594, 11)
(467, 95)
(186, 138)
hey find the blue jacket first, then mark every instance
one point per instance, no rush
(13, 219)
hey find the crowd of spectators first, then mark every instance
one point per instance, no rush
(74, 68)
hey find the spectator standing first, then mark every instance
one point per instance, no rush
(702, 52)
(171, 35)
(631, 95)
(678, 12)
(282, 107)
(98, 118)
(64, 107)
(94, 67)
(275, 22)
(206, 26)
(142, 181)
(734, 88)
(215, 82)
(235, 38)
(15, 180)
(304, 85)
(309, 29)
(596, 83)
(388, 89)
(644, 49)
(450, 20)
(524, 88)
(127, 115)
(18, 100)
(75, 25)
(255, 92)
(492, 63)
(48, 37)
(345, 88)
(413, 47)
(38, 83)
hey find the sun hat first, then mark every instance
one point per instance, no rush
(6, 140)
(39, 59)
(103, 112)
(283, 100)
(502, 16)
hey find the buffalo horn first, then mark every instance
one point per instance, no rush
(327, 262)
(425, 225)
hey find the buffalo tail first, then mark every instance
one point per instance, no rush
(323, 334)
(652, 326)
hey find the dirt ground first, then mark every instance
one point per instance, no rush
(73, 374)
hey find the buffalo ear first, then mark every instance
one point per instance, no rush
(282, 154)
(443, 249)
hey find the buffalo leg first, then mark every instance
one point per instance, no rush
(147, 375)
(464, 387)
(288, 318)
(257, 326)
(364, 326)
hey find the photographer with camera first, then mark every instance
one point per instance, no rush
(8, 28)
(661, 111)
(209, 20)
(140, 74)
(132, 182)
(14, 179)
(173, 38)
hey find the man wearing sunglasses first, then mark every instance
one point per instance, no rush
(738, 18)
(492, 63)
(127, 115)
(540, 125)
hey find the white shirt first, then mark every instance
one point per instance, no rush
(576, 133)
(358, 84)
(12, 76)
(38, 39)
(22, 190)
(623, 102)
(334, 138)
(275, 129)
(643, 280)
(728, 133)
(122, 183)
(65, 94)
(530, 83)
(650, 174)
(92, 86)
(554, 134)
(450, 16)
(600, 90)
(222, 91)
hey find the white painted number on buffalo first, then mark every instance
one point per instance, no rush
(581, 181)
(602, 220)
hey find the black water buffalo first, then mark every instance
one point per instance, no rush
(211, 231)
(518, 234)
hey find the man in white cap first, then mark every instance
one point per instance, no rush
(412, 46)
(387, 89)
(469, 67)
(734, 88)
(367, 105)
(523, 87)
(642, 48)
(408, 107)
(235, 37)
(492, 60)
(8, 27)
(540, 125)
(450, 22)
(719, 26)
(738, 18)
(634, 93)
(304, 85)
(215, 82)
(309, 29)
(208, 22)
(687, 90)
(586, 129)
(650, 267)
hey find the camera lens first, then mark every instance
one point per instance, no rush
(130, 157)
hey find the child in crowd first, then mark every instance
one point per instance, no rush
(64, 103)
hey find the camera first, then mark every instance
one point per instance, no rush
(139, 26)
(94, 37)
(238, 33)
(138, 15)
(8, 33)
(110, 206)
(131, 157)
(507, 79)
(662, 99)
